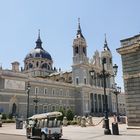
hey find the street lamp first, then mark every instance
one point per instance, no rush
(36, 102)
(92, 72)
(104, 74)
(28, 91)
(117, 90)
(106, 120)
(115, 69)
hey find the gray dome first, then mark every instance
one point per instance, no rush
(38, 53)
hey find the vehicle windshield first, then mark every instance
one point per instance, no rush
(44, 123)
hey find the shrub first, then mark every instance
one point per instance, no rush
(8, 121)
(69, 115)
(10, 116)
(63, 113)
(72, 123)
(4, 116)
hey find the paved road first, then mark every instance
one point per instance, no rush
(97, 133)
(9, 132)
(11, 137)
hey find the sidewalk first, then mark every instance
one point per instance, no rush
(10, 128)
(81, 133)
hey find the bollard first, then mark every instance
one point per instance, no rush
(65, 122)
(79, 120)
(115, 130)
(83, 122)
(90, 120)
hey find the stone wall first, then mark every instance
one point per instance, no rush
(131, 72)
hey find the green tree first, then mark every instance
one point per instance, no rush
(63, 113)
(69, 115)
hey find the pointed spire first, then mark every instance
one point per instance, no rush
(39, 33)
(79, 31)
(38, 42)
(106, 45)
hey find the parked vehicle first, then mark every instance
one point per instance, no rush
(44, 126)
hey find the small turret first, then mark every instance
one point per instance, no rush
(15, 66)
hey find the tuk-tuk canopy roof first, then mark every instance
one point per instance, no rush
(46, 115)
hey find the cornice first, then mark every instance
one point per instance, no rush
(128, 49)
(128, 76)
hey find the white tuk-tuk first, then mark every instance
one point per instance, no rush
(44, 126)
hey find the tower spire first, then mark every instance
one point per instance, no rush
(39, 42)
(39, 33)
(106, 44)
(79, 31)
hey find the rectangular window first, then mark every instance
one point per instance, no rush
(53, 92)
(36, 90)
(61, 92)
(44, 109)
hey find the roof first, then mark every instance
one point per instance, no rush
(46, 115)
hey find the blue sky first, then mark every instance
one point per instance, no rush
(57, 20)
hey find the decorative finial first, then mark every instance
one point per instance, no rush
(38, 33)
(105, 39)
(78, 20)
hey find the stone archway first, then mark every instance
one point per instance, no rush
(13, 106)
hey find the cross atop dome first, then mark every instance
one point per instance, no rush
(39, 42)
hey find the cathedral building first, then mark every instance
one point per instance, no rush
(52, 89)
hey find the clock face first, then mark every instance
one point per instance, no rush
(14, 84)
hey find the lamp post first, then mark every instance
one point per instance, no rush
(106, 120)
(36, 102)
(28, 92)
(117, 90)
(104, 74)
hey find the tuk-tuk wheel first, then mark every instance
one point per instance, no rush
(43, 136)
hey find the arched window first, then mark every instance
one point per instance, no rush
(76, 50)
(45, 91)
(14, 108)
(30, 65)
(37, 63)
(45, 65)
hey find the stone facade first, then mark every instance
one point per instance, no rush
(77, 89)
(130, 53)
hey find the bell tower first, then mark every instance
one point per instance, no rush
(106, 53)
(80, 59)
(79, 47)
